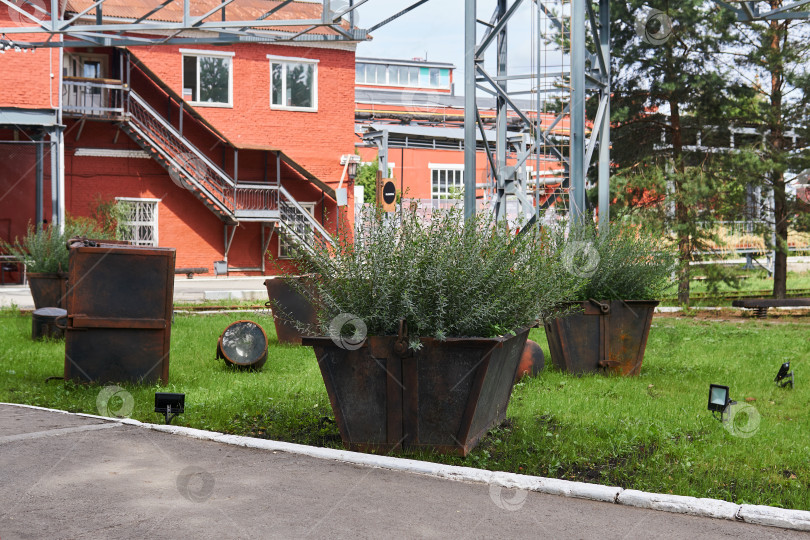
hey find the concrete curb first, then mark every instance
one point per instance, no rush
(798, 520)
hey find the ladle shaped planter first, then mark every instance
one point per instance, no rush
(444, 396)
(608, 337)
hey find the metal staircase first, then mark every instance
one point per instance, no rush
(191, 169)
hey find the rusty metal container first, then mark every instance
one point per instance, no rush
(291, 304)
(119, 306)
(243, 344)
(443, 397)
(48, 289)
(44, 323)
(607, 337)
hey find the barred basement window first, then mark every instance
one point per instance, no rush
(301, 226)
(141, 225)
(447, 181)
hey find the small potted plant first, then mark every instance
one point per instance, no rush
(44, 251)
(422, 322)
(627, 269)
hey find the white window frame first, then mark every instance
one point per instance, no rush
(197, 53)
(153, 223)
(284, 60)
(283, 245)
(444, 167)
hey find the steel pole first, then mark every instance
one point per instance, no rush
(604, 138)
(469, 108)
(501, 119)
(576, 194)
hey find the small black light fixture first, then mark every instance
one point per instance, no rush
(719, 399)
(785, 376)
(169, 404)
(351, 170)
(352, 163)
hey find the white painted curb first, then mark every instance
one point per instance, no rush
(711, 508)
(798, 520)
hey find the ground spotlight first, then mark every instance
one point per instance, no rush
(719, 399)
(785, 376)
(169, 404)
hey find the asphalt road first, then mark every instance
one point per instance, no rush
(63, 476)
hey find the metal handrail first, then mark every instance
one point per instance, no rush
(293, 211)
(181, 141)
(80, 97)
(199, 170)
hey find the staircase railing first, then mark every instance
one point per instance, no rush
(191, 164)
(298, 225)
(95, 98)
(195, 168)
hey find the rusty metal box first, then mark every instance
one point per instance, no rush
(119, 304)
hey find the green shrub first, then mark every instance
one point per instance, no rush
(627, 263)
(444, 276)
(44, 250)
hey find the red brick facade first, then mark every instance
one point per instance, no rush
(315, 140)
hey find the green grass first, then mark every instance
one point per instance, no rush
(651, 432)
(754, 281)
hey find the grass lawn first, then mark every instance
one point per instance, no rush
(651, 432)
(753, 281)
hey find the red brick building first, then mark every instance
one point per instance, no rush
(224, 152)
(415, 103)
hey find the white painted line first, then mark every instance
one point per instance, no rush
(54, 432)
(710, 508)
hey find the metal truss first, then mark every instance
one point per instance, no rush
(587, 76)
(53, 27)
(750, 11)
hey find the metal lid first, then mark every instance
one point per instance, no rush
(50, 312)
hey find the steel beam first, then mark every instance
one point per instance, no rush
(576, 196)
(42, 25)
(469, 107)
(604, 133)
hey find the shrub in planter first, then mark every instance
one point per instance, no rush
(423, 321)
(627, 271)
(45, 253)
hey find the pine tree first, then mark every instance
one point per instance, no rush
(667, 83)
(778, 52)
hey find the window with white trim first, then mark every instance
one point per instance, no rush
(447, 182)
(293, 84)
(140, 226)
(301, 226)
(208, 78)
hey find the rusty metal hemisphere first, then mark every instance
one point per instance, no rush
(243, 344)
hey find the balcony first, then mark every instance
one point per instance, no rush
(93, 98)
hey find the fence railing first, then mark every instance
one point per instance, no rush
(96, 98)
(256, 197)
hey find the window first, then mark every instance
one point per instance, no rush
(141, 225)
(293, 84)
(394, 75)
(447, 181)
(300, 226)
(207, 78)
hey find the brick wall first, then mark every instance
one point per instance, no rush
(314, 139)
(26, 77)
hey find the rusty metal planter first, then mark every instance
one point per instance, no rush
(444, 397)
(608, 337)
(48, 289)
(293, 304)
(119, 306)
